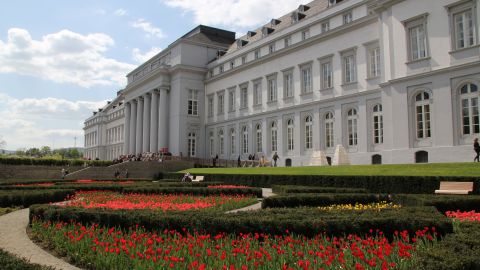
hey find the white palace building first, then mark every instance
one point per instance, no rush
(392, 81)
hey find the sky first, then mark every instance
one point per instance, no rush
(61, 60)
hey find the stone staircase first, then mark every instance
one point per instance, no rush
(136, 169)
(12, 172)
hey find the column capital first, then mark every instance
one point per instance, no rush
(164, 87)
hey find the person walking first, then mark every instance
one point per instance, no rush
(239, 162)
(476, 148)
(275, 158)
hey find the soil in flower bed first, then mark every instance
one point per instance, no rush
(97, 247)
(178, 202)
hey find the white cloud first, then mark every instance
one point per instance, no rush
(148, 28)
(120, 12)
(63, 57)
(140, 57)
(47, 121)
(235, 13)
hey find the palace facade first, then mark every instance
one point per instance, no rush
(392, 81)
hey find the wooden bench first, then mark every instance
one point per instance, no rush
(198, 178)
(460, 188)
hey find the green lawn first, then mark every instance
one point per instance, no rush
(433, 169)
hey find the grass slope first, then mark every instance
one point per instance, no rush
(432, 169)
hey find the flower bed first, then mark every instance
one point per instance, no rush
(179, 202)
(111, 248)
(360, 207)
(464, 216)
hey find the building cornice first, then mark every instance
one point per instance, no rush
(149, 77)
(299, 45)
(311, 103)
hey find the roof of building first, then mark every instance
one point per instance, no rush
(276, 24)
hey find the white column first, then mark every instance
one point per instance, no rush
(139, 136)
(154, 122)
(133, 124)
(163, 118)
(146, 122)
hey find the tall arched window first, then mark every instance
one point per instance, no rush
(221, 140)
(232, 141)
(258, 137)
(308, 132)
(192, 144)
(377, 115)
(329, 130)
(212, 144)
(273, 136)
(290, 129)
(245, 140)
(469, 102)
(422, 115)
(352, 121)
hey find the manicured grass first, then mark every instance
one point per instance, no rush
(432, 169)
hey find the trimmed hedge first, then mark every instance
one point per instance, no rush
(323, 199)
(10, 262)
(53, 162)
(196, 190)
(25, 198)
(303, 221)
(376, 184)
(457, 251)
(442, 202)
(310, 189)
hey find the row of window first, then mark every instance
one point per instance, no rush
(115, 115)
(115, 134)
(349, 75)
(91, 139)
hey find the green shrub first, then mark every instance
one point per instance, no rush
(442, 202)
(321, 199)
(457, 251)
(309, 189)
(53, 162)
(25, 198)
(303, 221)
(376, 184)
(10, 262)
(195, 190)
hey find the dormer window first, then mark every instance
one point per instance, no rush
(241, 43)
(251, 33)
(334, 2)
(275, 22)
(267, 31)
(303, 8)
(297, 16)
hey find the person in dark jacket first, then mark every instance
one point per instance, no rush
(476, 148)
(239, 162)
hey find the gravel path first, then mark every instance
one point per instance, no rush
(14, 239)
(266, 192)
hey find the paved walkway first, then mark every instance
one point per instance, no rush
(266, 192)
(14, 239)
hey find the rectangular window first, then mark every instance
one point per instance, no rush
(274, 139)
(418, 42)
(271, 48)
(378, 129)
(231, 100)
(244, 59)
(325, 27)
(347, 18)
(329, 134)
(221, 69)
(464, 29)
(244, 97)
(221, 103)
(306, 73)
(374, 62)
(192, 102)
(210, 106)
(287, 41)
(257, 93)
(349, 68)
(257, 54)
(272, 88)
(327, 74)
(232, 64)
(305, 34)
(288, 84)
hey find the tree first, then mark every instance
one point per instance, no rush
(20, 152)
(3, 143)
(74, 153)
(45, 151)
(33, 152)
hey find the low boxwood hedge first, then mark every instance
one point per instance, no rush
(310, 189)
(376, 184)
(53, 162)
(321, 199)
(303, 221)
(195, 190)
(11, 262)
(442, 202)
(25, 198)
(457, 251)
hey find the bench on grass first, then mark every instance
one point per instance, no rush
(198, 178)
(459, 188)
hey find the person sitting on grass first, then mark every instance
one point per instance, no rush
(187, 177)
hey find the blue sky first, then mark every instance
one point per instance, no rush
(61, 60)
